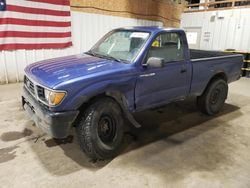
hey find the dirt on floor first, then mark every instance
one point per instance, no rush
(176, 147)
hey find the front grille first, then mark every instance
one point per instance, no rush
(40, 92)
(36, 90)
(29, 84)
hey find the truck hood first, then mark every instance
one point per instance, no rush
(55, 71)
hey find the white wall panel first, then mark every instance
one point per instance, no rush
(87, 29)
(229, 29)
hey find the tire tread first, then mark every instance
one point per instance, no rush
(202, 101)
(84, 130)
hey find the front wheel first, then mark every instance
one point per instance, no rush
(100, 130)
(213, 99)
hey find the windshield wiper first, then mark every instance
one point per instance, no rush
(113, 58)
(104, 56)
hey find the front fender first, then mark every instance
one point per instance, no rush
(122, 91)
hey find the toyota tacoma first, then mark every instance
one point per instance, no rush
(127, 71)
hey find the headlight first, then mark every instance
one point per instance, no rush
(54, 97)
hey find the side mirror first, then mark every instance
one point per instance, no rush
(155, 62)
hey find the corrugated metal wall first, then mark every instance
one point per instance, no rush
(220, 30)
(86, 30)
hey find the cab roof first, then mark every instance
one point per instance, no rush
(152, 29)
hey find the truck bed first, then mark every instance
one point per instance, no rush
(208, 63)
(201, 54)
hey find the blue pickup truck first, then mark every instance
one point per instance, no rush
(127, 71)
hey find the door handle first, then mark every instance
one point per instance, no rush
(183, 70)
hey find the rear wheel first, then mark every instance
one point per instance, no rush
(213, 99)
(100, 130)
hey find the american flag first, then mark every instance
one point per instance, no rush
(34, 24)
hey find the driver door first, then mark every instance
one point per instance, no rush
(158, 86)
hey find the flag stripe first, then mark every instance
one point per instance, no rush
(55, 2)
(20, 40)
(34, 46)
(34, 29)
(35, 24)
(17, 21)
(9, 14)
(15, 8)
(32, 4)
(33, 34)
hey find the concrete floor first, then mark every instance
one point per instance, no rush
(177, 147)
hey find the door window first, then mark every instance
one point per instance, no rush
(167, 46)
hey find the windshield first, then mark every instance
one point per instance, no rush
(121, 45)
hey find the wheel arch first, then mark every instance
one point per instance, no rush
(118, 97)
(218, 75)
(115, 95)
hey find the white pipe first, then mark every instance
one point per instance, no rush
(5, 69)
(17, 76)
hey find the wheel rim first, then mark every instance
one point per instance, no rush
(106, 129)
(215, 96)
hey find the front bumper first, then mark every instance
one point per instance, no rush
(56, 124)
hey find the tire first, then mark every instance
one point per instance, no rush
(100, 129)
(213, 99)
